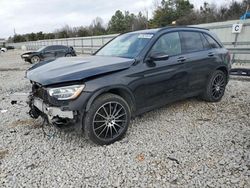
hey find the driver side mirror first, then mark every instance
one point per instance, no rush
(158, 57)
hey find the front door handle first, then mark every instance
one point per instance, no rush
(181, 59)
(210, 54)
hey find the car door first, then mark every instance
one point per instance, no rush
(164, 80)
(49, 53)
(198, 59)
(60, 51)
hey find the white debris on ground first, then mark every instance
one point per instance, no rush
(186, 144)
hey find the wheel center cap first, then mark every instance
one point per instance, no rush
(217, 88)
(111, 123)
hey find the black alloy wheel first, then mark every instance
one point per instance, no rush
(215, 87)
(68, 55)
(218, 86)
(35, 59)
(107, 120)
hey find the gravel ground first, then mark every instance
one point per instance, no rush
(186, 144)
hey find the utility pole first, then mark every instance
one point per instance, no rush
(246, 12)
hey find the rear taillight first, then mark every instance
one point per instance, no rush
(228, 56)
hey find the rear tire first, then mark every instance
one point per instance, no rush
(35, 59)
(215, 87)
(107, 120)
(68, 55)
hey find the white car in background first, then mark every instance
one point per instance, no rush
(3, 49)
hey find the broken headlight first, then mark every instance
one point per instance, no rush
(67, 92)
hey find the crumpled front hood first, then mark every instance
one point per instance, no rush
(68, 69)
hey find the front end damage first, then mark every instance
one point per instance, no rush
(53, 111)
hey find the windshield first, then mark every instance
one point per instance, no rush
(127, 45)
(41, 49)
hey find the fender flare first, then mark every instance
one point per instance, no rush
(222, 68)
(105, 90)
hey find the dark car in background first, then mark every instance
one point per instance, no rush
(10, 47)
(132, 74)
(48, 53)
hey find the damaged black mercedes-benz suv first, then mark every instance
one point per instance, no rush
(133, 73)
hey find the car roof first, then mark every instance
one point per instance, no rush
(156, 30)
(57, 45)
(146, 31)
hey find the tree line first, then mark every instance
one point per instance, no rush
(166, 12)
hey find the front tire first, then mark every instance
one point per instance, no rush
(215, 87)
(107, 120)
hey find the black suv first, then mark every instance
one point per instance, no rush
(134, 73)
(48, 53)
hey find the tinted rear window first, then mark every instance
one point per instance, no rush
(191, 41)
(62, 47)
(55, 47)
(212, 42)
(49, 48)
(206, 44)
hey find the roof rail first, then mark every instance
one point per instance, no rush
(185, 26)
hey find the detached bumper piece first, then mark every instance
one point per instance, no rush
(240, 72)
(52, 111)
(54, 114)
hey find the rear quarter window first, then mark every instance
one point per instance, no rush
(206, 44)
(212, 42)
(60, 48)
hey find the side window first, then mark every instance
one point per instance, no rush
(46, 49)
(212, 42)
(168, 44)
(49, 48)
(191, 41)
(61, 47)
(56, 48)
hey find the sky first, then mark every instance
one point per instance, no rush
(26, 16)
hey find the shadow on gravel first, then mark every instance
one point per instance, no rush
(67, 135)
(55, 135)
(12, 69)
(51, 134)
(182, 103)
(27, 122)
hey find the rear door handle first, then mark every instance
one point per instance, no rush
(210, 54)
(181, 59)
